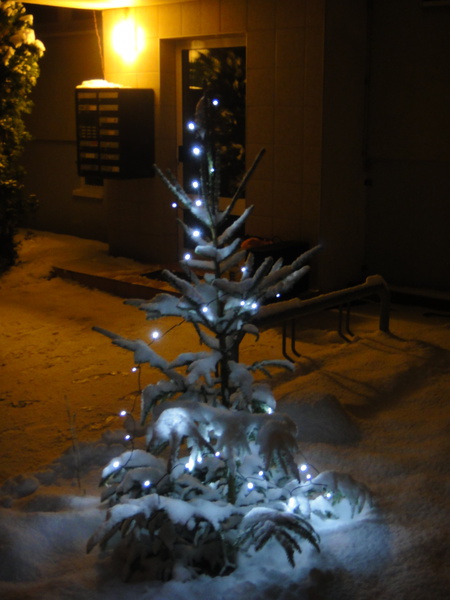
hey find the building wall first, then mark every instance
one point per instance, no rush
(71, 56)
(408, 212)
(343, 202)
(284, 41)
(350, 99)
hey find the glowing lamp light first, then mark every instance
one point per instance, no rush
(292, 503)
(116, 464)
(128, 40)
(215, 102)
(250, 485)
(269, 410)
(196, 233)
(303, 468)
(128, 437)
(198, 203)
(254, 305)
(196, 151)
(155, 335)
(174, 205)
(205, 309)
(187, 256)
(195, 184)
(191, 126)
(217, 454)
(123, 413)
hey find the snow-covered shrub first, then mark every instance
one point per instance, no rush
(20, 52)
(219, 474)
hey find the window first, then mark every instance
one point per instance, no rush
(221, 73)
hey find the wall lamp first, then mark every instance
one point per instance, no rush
(128, 39)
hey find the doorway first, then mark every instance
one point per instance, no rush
(216, 67)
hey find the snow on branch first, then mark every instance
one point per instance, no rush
(262, 364)
(159, 392)
(232, 229)
(142, 351)
(187, 289)
(242, 185)
(232, 261)
(218, 254)
(245, 287)
(173, 185)
(171, 428)
(161, 305)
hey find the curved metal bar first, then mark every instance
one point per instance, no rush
(282, 312)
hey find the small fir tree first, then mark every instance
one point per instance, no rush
(219, 474)
(20, 52)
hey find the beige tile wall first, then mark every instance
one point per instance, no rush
(284, 108)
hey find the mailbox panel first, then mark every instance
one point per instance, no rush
(115, 132)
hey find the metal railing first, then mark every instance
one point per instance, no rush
(286, 313)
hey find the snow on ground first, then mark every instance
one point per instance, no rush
(376, 408)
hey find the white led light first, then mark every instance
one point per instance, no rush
(187, 256)
(155, 335)
(217, 454)
(190, 464)
(242, 302)
(250, 485)
(116, 464)
(196, 233)
(134, 369)
(254, 305)
(198, 203)
(128, 437)
(199, 459)
(147, 483)
(278, 295)
(308, 476)
(261, 473)
(195, 184)
(292, 503)
(205, 309)
(303, 468)
(244, 269)
(123, 413)
(215, 102)
(328, 495)
(191, 125)
(174, 205)
(196, 151)
(269, 410)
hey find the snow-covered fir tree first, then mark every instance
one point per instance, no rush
(220, 474)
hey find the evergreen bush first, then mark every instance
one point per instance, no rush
(20, 52)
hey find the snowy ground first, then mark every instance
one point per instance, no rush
(377, 408)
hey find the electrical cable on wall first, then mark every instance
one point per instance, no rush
(99, 42)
